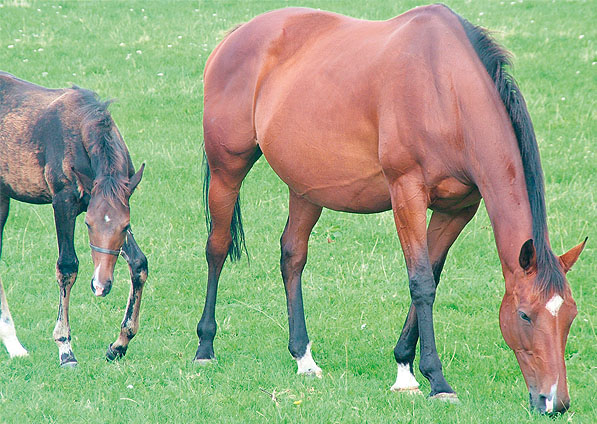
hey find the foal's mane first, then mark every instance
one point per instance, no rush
(107, 153)
(495, 58)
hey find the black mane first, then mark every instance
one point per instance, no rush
(495, 59)
(108, 155)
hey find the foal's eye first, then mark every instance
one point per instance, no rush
(524, 316)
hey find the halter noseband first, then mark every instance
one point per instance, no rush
(110, 251)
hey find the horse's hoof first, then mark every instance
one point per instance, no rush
(311, 372)
(408, 390)
(68, 360)
(204, 361)
(69, 364)
(115, 353)
(446, 397)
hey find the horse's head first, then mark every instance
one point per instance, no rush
(535, 324)
(107, 220)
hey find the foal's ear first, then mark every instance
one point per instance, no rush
(569, 258)
(136, 179)
(84, 182)
(528, 256)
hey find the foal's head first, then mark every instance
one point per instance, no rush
(535, 318)
(108, 224)
(108, 213)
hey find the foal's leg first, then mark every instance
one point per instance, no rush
(409, 203)
(130, 324)
(302, 216)
(442, 231)
(8, 334)
(226, 178)
(65, 213)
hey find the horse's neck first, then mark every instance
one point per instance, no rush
(503, 187)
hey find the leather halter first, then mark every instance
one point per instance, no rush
(110, 251)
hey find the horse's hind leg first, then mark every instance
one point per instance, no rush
(227, 172)
(130, 324)
(442, 231)
(8, 334)
(302, 217)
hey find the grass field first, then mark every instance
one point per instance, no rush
(150, 56)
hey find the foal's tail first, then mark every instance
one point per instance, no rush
(236, 226)
(495, 59)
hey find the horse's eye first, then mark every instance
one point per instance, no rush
(524, 316)
(87, 224)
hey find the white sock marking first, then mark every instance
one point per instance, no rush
(405, 380)
(306, 364)
(554, 304)
(8, 336)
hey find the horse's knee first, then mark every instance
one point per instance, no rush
(139, 269)
(66, 270)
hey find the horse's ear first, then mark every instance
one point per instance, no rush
(84, 183)
(569, 258)
(136, 179)
(528, 256)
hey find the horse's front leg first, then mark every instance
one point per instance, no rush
(442, 231)
(66, 210)
(130, 324)
(409, 204)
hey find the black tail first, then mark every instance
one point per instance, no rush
(236, 226)
(496, 59)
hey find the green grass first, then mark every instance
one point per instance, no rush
(150, 56)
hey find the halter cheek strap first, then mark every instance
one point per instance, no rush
(110, 251)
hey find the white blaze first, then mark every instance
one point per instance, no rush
(553, 306)
(106, 218)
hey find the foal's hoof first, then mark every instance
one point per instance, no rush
(114, 353)
(446, 397)
(68, 360)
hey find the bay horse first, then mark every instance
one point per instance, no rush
(407, 114)
(61, 146)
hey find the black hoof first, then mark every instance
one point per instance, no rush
(204, 355)
(115, 353)
(67, 360)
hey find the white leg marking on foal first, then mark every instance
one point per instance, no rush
(554, 304)
(8, 336)
(306, 364)
(405, 380)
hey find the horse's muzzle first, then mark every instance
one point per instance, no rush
(101, 289)
(548, 404)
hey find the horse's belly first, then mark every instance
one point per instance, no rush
(348, 180)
